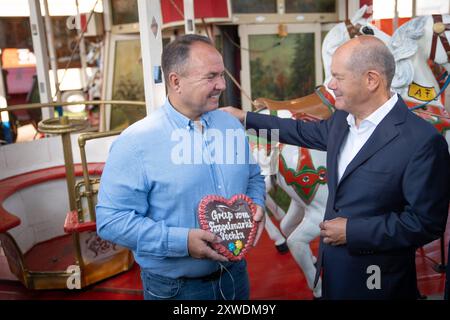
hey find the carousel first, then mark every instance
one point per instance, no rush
(74, 78)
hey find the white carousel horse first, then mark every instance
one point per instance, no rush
(344, 31)
(301, 171)
(412, 45)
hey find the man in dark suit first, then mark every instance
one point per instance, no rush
(388, 177)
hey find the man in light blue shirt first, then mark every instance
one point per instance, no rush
(161, 167)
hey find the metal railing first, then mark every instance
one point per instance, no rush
(101, 103)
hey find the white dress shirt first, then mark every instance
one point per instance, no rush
(358, 136)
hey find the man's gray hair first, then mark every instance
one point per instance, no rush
(373, 55)
(176, 54)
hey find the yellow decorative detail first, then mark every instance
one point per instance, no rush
(421, 93)
(439, 27)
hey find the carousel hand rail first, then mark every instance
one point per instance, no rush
(87, 183)
(102, 103)
(60, 104)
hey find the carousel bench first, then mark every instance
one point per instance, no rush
(11, 185)
(51, 242)
(32, 239)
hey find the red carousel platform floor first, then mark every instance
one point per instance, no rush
(272, 276)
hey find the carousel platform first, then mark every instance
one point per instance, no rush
(273, 276)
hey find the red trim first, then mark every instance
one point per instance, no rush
(329, 97)
(83, 22)
(71, 224)
(211, 9)
(368, 3)
(437, 116)
(202, 9)
(11, 185)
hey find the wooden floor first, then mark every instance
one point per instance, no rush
(272, 275)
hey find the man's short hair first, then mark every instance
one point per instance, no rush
(176, 53)
(373, 55)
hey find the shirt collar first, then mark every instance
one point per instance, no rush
(181, 120)
(375, 117)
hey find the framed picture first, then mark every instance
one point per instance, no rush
(125, 81)
(124, 11)
(124, 17)
(280, 69)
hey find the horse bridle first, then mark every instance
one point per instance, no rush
(357, 29)
(439, 29)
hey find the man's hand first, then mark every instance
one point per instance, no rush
(198, 245)
(238, 113)
(334, 231)
(260, 219)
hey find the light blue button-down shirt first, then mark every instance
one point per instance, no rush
(157, 172)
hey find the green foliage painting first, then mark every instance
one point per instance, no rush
(284, 71)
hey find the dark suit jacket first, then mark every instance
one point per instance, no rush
(394, 194)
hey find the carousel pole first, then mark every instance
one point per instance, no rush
(51, 50)
(107, 22)
(395, 21)
(150, 23)
(189, 18)
(82, 48)
(351, 6)
(346, 10)
(64, 127)
(41, 52)
(68, 162)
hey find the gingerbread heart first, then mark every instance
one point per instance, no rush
(232, 220)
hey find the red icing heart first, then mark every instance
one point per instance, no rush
(232, 220)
